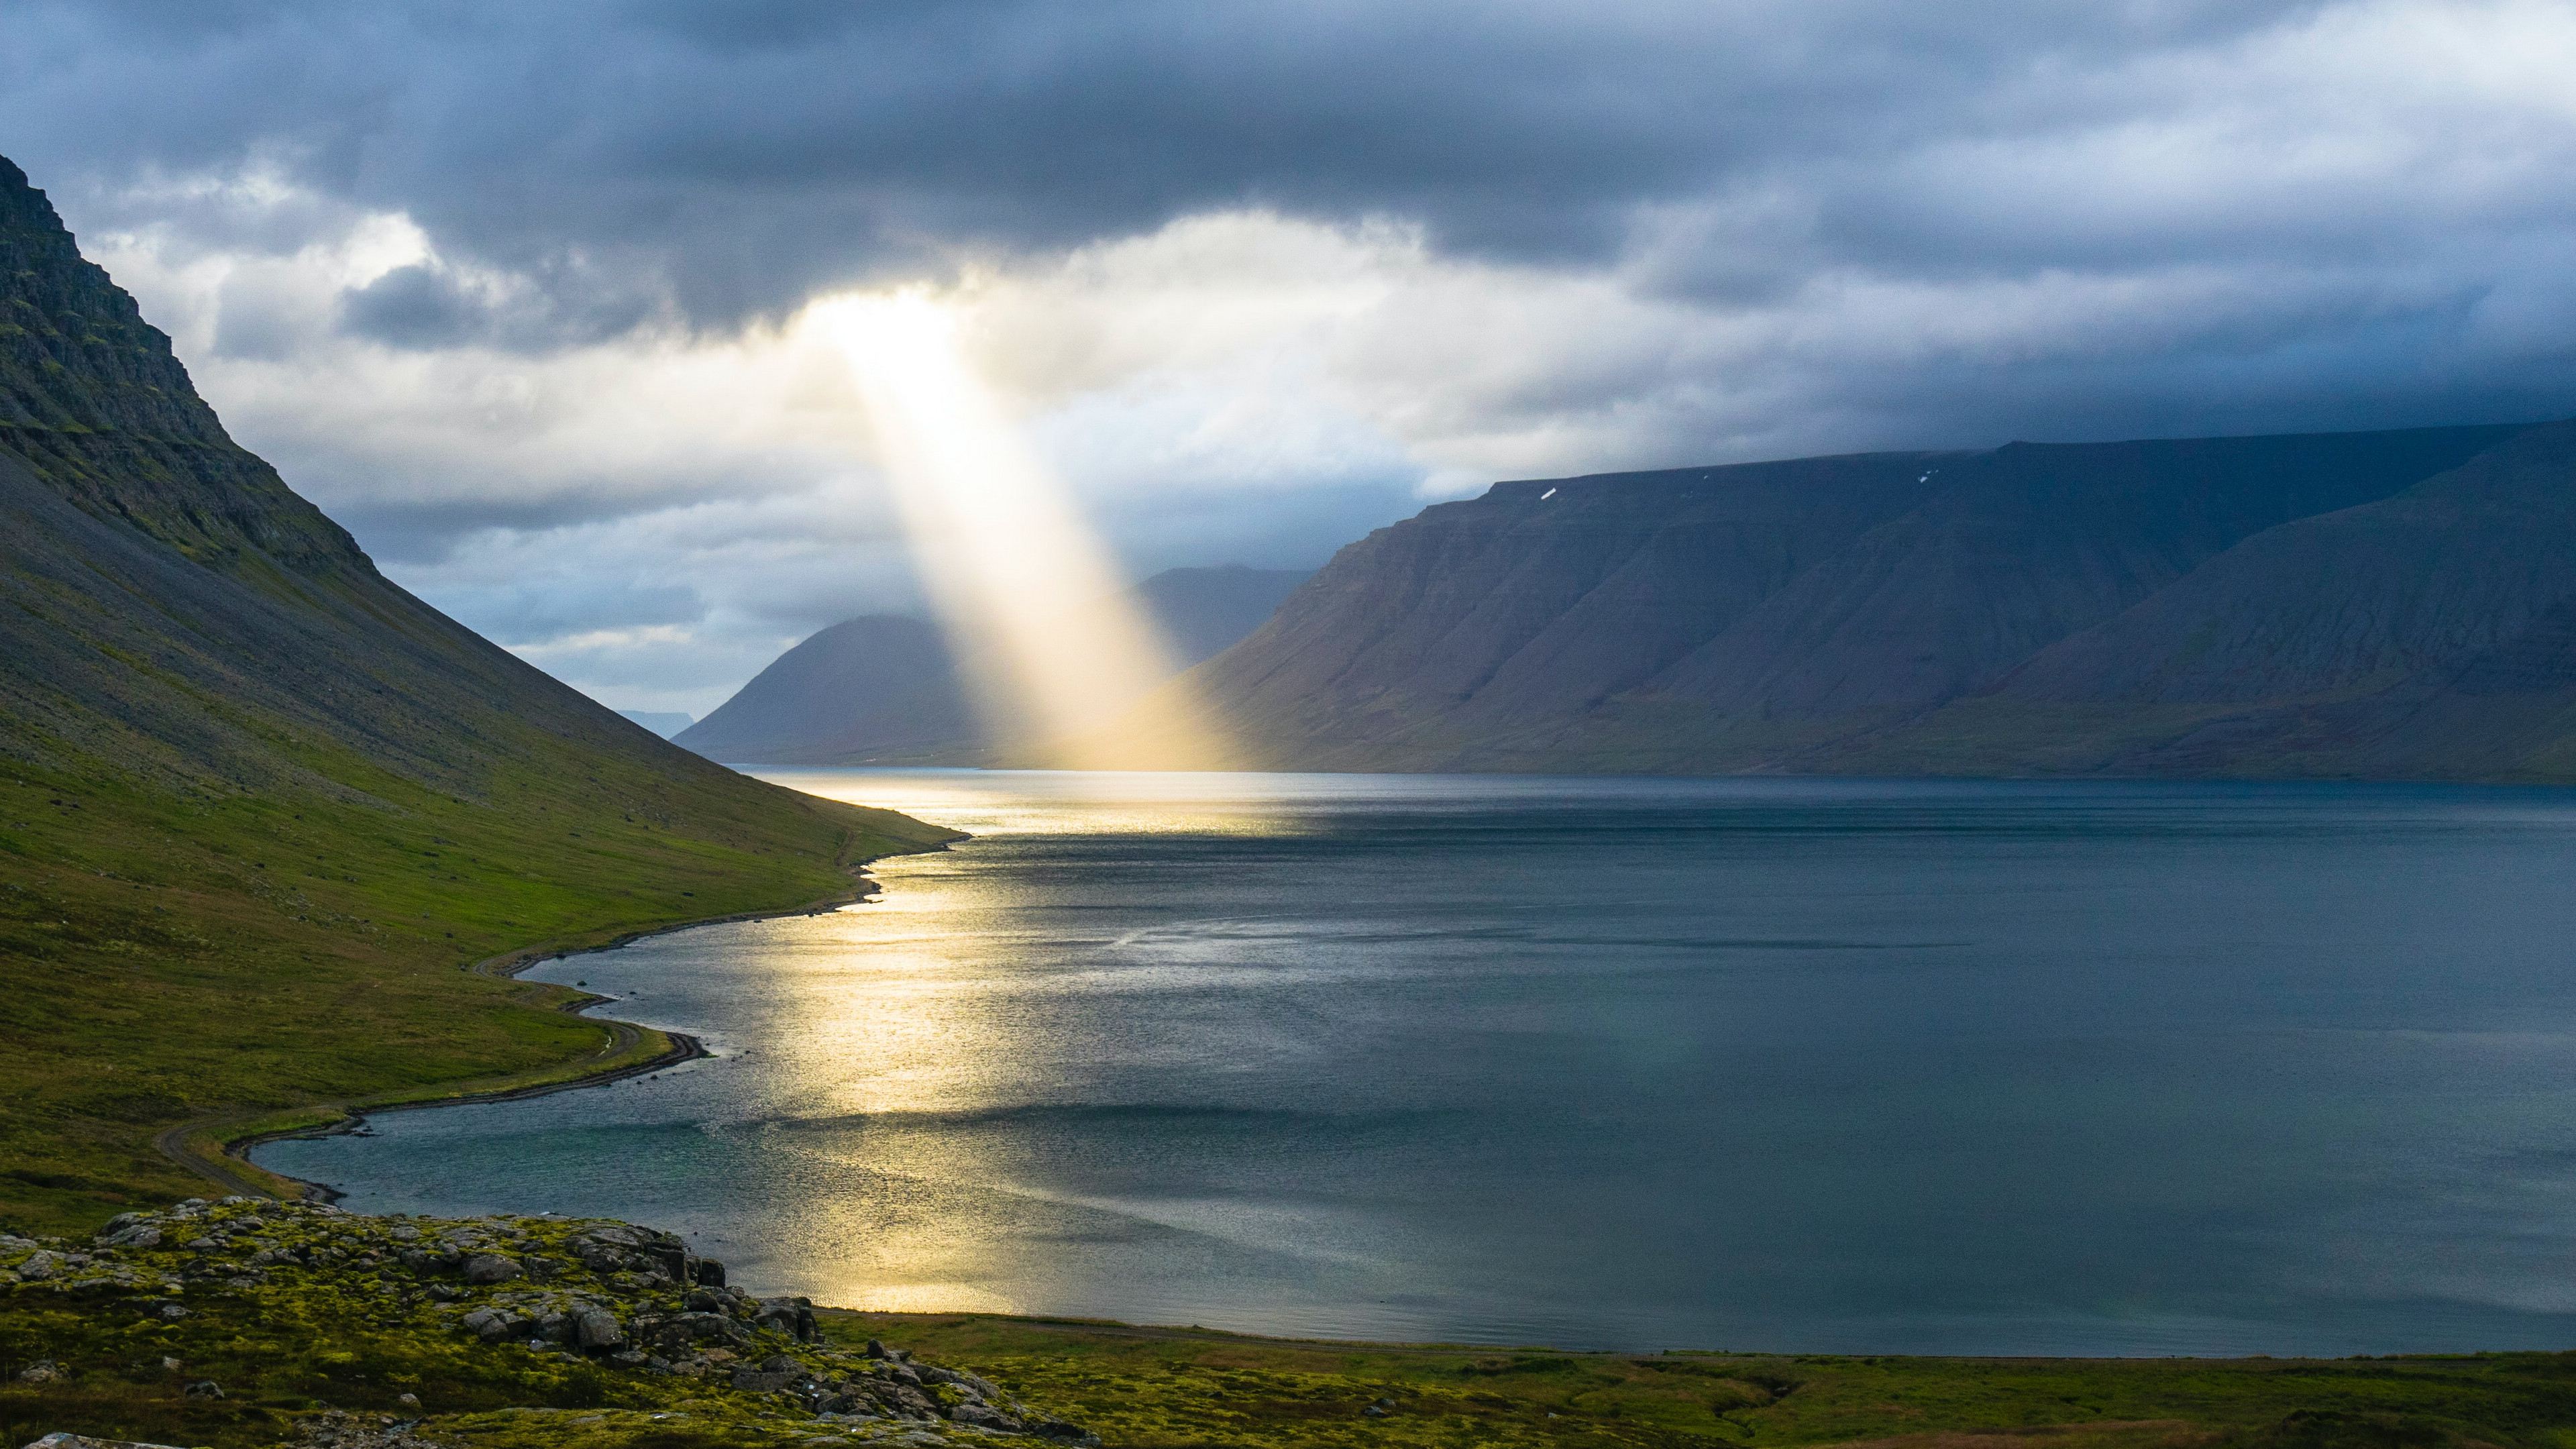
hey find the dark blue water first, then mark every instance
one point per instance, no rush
(1785, 1065)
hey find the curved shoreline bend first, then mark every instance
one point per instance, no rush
(209, 1148)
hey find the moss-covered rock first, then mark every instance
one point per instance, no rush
(248, 1321)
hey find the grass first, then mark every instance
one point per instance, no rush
(174, 955)
(1163, 1389)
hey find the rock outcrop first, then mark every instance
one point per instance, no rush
(589, 1295)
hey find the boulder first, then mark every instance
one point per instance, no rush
(204, 1389)
(485, 1269)
(597, 1328)
(909, 1402)
(41, 1267)
(624, 1235)
(673, 1337)
(974, 1386)
(763, 1381)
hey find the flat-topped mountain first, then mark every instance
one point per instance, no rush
(2351, 604)
(259, 805)
(887, 688)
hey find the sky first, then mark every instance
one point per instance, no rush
(516, 291)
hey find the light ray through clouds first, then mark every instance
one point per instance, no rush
(1029, 597)
(1260, 279)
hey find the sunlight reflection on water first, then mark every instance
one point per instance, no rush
(1871, 1066)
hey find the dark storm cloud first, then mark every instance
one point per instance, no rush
(742, 155)
(1507, 239)
(414, 306)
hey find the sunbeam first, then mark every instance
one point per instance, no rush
(1053, 650)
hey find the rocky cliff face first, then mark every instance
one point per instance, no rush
(176, 610)
(2280, 605)
(93, 403)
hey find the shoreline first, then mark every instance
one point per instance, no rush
(684, 1048)
(211, 1146)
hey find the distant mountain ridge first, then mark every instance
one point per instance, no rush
(665, 723)
(2295, 605)
(887, 688)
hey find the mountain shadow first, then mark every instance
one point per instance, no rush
(2364, 605)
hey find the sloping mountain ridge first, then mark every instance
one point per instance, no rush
(2427, 635)
(887, 688)
(882, 686)
(1537, 594)
(93, 403)
(258, 804)
(1631, 622)
(2455, 566)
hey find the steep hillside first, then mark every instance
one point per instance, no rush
(886, 688)
(2428, 635)
(259, 806)
(2030, 609)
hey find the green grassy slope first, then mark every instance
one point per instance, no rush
(260, 808)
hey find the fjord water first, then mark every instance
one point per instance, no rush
(1779, 1064)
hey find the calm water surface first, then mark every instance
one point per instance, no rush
(1788, 1065)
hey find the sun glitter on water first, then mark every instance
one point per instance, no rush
(1054, 652)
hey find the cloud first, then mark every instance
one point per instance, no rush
(513, 289)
